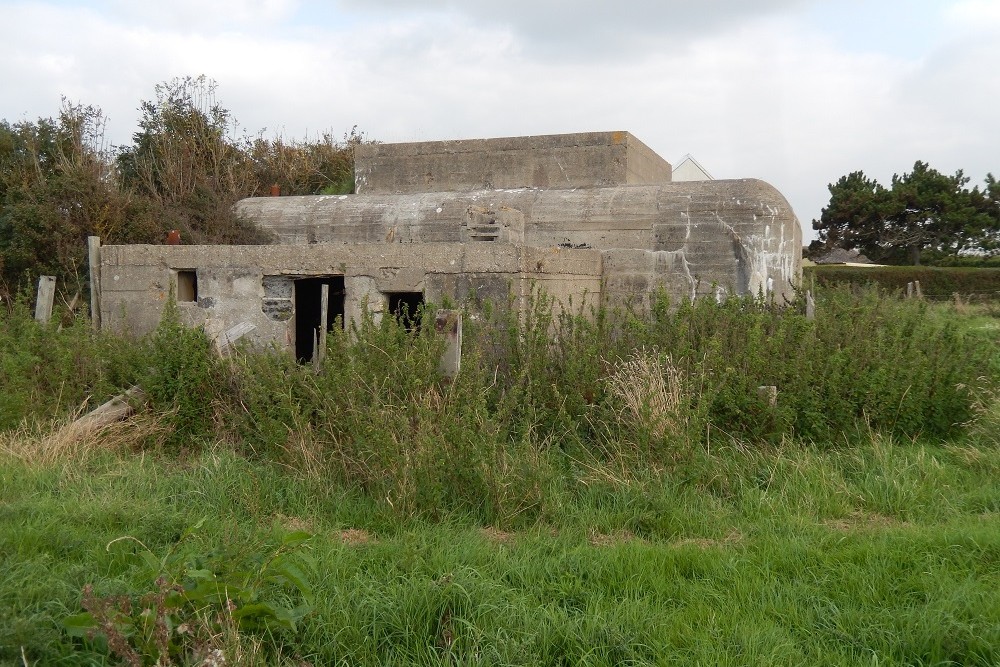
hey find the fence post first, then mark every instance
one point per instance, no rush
(319, 351)
(768, 394)
(94, 255)
(46, 297)
(448, 323)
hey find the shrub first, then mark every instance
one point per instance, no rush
(935, 282)
(540, 389)
(183, 379)
(53, 370)
(866, 358)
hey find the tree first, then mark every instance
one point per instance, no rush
(923, 212)
(57, 187)
(187, 159)
(322, 166)
(185, 168)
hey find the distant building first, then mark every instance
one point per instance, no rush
(842, 256)
(690, 169)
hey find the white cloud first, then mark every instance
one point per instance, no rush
(769, 95)
(975, 12)
(194, 15)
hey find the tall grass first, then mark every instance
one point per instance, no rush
(881, 553)
(609, 391)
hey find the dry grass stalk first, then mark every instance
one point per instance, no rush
(76, 440)
(623, 536)
(305, 452)
(734, 537)
(984, 426)
(651, 392)
(355, 537)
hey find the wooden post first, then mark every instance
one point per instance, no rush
(916, 288)
(768, 394)
(909, 290)
(324, 310)
(448, 323)
(94, 254)
(46, 297)
(810, 306)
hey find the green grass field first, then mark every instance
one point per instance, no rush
(886, 553)
(862, 549)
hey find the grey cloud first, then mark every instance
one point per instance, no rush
(599, 27)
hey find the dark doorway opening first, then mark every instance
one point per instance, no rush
(406, 307)
(309, 312)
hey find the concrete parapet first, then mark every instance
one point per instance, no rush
(558, 161)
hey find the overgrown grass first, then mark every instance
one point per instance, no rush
(885, 553)
(602, 490)
(52, 370)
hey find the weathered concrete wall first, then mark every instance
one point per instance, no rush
(254, 284)
(716, 237)
(587, 218)
(585, 160)
(740, 235)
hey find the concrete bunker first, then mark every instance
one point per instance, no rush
(591, 219)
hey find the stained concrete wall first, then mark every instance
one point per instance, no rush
(740, 235)
(585, 160)
(587, 218)
(254, 284)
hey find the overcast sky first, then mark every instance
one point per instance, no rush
(796, 92)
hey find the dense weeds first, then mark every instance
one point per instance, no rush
(536, 393)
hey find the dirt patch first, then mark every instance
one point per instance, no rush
(355, 537)
(496, 535)
(294, 523)
(865, 521)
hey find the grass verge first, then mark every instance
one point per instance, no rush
(884, 553)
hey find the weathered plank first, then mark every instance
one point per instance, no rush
(116, 409)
